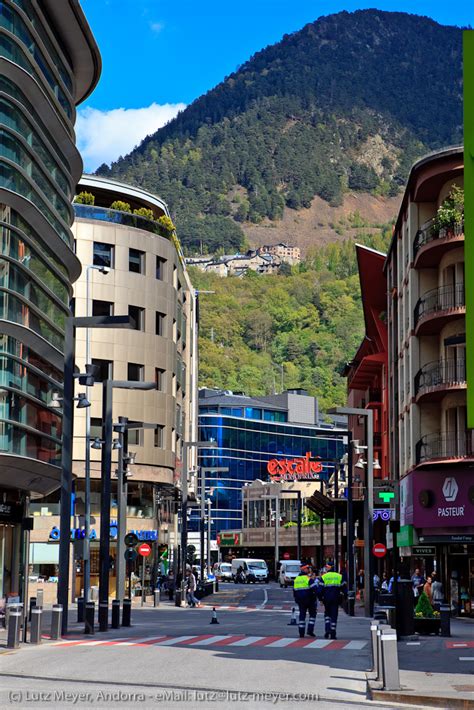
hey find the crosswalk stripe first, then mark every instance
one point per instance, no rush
(208, 641)
(319, 643)
(247, 641)
(173, 641)
(266, 641)
(355, 645)
(281, 643)
(193, 639)
(229, 640)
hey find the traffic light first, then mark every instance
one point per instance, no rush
(190, 552)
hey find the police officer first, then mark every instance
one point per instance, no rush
(306, 600)
(332, 588)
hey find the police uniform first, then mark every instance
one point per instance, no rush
(332, 587)
(306, 600)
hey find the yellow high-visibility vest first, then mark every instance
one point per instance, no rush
(302, 581)
(332, 579)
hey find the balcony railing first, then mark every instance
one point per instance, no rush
(104, 214)
(441, 373)
(430, 233)
(438, 300)
(445, 446)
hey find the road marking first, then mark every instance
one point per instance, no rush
(413, 643)
(247, 641)
(459, 644)
(229, 640)
(265, 599)
(266, 641)
(320, 643)
(173, 641)
(466, 658)
(355, 645)
(281, 643)
(208, 641)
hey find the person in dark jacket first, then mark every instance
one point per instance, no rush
(332, 590)
(305, 597)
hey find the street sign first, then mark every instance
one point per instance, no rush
(130, 554)
(379, 550)
(424, 551)
(144, 550)
(131, 540)
(286, 555)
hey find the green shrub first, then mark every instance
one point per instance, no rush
(85, 198)
(144, 212)
(451, 210)
(167, 225)
(120, 206)
(423, 608)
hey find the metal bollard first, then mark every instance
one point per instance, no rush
(36, 624)
(39, 597)
(14, 626)
(445, 614)
(127, 612)
(32, 605)
(390, 669)
(373, 634)
(156, 597)
(89, 618)
(56, 621)
(379, 654)
(116, 613)
(103, 616)
(80, 609)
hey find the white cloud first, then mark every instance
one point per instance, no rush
(102, 136)
(156, 27)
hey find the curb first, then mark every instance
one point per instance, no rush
(419, 700)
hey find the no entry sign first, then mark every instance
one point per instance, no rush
(379, 550)
(144, 550)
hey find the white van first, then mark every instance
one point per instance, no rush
(289, 570)
(252, 571)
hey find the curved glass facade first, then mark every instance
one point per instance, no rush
(244, 447)
(126, 219)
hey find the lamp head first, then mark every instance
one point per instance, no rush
(97, 443)
(116, 444)
(56, 401)
(82, 401)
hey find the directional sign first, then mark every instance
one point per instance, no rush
(379, 550)
(130, 555)
(144, 550)
(131, 540)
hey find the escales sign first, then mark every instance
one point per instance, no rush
(297, 469)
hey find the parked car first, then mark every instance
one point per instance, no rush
(251, 571)
(289, 570)
(223, 571)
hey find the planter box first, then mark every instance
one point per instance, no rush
(427, 625)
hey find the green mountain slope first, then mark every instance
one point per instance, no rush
(348, 102)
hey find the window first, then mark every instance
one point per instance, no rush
(160, 378)
(102, 308)
(160, 268)
(103, 255)
(105, 371)
(136, 261)
(135, 372)
(96, 427)
(159, 436)
(135, 437)
(160, 323)
(138, 315)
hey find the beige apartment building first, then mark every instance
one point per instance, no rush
(131, 265)
(285, 252)
(431, 449)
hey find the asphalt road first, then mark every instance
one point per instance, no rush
(176, 658)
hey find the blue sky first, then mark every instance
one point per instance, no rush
(159, 55)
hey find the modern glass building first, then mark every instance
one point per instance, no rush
(49, 62)
(250, 432)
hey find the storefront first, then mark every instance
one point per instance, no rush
(12, 508)
(438, 506)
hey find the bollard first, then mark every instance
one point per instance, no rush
(39, 598)
(89, 618)
(445, 614)
(177, 597)
(379, 654)
(116, 613)
(390, 669)
(56, 621)
(32, 605)
(373, 634)
(404, 614)
(14, 625)
(103, 616)
(156, 597)
(36, 624)
(127, 612)
(80, 609)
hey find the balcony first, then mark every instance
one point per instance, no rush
(439, 448)
(438, 306)
(431, 243)
(126, 219)
(434, 379)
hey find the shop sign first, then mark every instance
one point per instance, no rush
(443, 499)
(382, 513)
(228, 539)
(297, 469)
(461, 539)
(424, 551)
(11, 512)
(406, 536)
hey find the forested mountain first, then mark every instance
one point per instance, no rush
(308, 321)
(346, 103)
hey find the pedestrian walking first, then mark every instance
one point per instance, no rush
(361, 584)
(305, 597)
(427, 588)
(332, 589)
(384, 584)
(191, 585)
(418, 582)
(437, 594)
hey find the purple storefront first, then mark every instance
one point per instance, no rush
(440, 507)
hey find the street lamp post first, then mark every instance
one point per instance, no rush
(368, 502)
(204, 471)
(71, 324)
(209, 523)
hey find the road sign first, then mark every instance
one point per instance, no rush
(379, 550)
(130, 554)
(131, 540)
(144, 550)
(286, 555)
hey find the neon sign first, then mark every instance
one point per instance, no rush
(298, 469)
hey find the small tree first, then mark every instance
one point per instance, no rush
(424, 607)
(167, 225)
(144, 212)
(85, 198)
(451, 210)
(120, 206)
